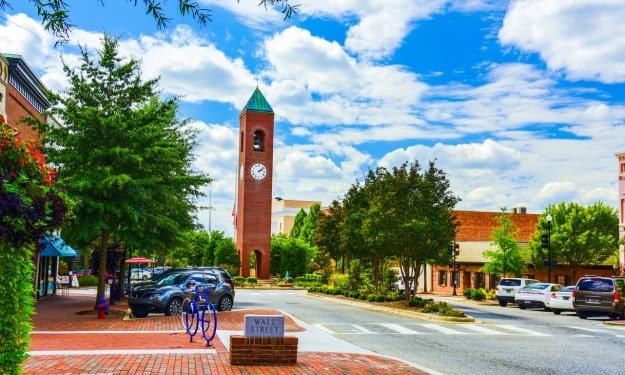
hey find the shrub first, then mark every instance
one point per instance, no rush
(251, 280)
(364, 296)
(468, 292)
(238, 280)
(371, 297)
(340, 281)
(478, 294)
(380, 298)
(417, 302)
(88, 280)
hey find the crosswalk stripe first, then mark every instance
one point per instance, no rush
(482, 329)
(323, 328)
(442, 329)
(361, 328)
(596, 330)
(521, 330)
(400, 329)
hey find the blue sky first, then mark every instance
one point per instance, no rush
(521, 103)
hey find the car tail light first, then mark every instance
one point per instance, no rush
(573, 294)
(231, 283)
(496, 289)
(616, 296)
(553, 295)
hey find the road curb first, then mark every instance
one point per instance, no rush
(405, 313)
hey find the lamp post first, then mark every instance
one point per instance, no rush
(454, 273)
(549, 219)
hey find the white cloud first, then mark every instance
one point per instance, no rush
(381, 25)
(584, 38)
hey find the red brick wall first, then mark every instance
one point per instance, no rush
(263, 350)
(478, 226)
(17, 107)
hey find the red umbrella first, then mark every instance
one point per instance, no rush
(140, 260)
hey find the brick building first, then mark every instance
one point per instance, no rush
(474, 236)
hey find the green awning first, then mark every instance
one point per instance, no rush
(54, 246)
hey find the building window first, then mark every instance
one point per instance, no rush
(479, 280)
(241, 141)
(493, 280)
(563, 279)
(442, 278)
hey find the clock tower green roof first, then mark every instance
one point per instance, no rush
(257, 103)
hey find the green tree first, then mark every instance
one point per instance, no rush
(298, 223)
(191, 249)
(580, 236)
(55, 15)
(30, 206)
(413, 216)
(292, 255)
(226, 255)
(124, 155)
(508, 258)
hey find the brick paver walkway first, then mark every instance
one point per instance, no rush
(61, 322)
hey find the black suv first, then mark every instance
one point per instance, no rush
(600, 295)
(169, 291)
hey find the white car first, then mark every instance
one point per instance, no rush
(140, 274)
(536, 295)
(562, 300)
(400, 284)
(508, 287)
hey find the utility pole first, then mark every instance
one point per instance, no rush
(210, 208)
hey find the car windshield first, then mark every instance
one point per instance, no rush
(568, 289)
(537, 286)
(172, 279)
(510, 282)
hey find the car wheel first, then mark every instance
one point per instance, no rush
(503, 303)
(557, 312)
(522, 306)
(613, 316)
(139, 312)
(145, 277)
(582, 315)
(174, 307)
(225, 303)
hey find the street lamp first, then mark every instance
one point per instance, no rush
(549, 218)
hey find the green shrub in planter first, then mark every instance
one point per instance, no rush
(88, 280)
(468, 293)
(238, 280)
(251, 280)
(478, 294)
(380, 298)
(364, 296)
(371, 297)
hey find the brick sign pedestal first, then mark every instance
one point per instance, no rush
(263, 343)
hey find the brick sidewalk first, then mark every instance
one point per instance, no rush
(68, 323)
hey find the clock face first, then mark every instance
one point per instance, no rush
(258, 171)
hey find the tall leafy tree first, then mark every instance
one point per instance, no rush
(507, 258)
(298, 223)
(124, 155)
(56, 14)
(580, 235)
(226, 255)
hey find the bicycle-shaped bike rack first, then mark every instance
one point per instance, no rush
(200, 313)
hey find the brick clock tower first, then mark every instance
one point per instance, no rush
(255, 171)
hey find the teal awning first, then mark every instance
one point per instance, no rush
(54, 246)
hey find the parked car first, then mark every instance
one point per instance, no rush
(227, 278)
(600, 295)
(562, 300)
(140, 274)
(535, 295)
(167, 294)
(508, 287)
(400, 284)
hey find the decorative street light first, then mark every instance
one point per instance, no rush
(549, 218)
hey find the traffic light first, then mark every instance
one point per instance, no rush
(544, 241)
